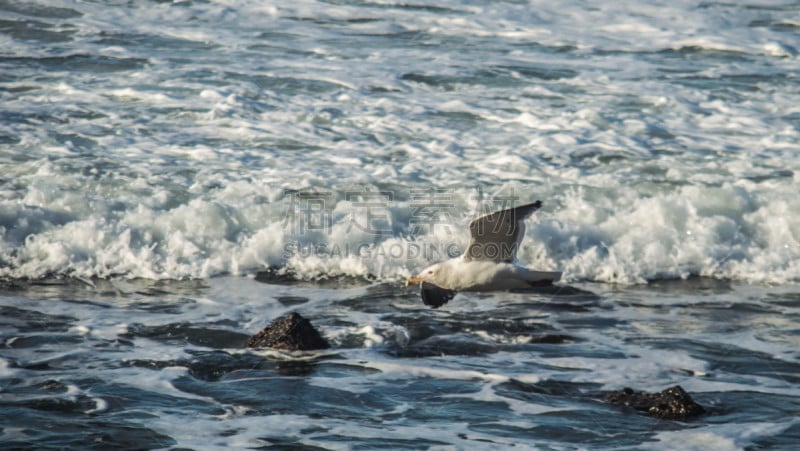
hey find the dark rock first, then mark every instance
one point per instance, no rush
(552, 339)
(671, 404)
(291, 332)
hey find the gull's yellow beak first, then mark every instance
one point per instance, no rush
(413, 280)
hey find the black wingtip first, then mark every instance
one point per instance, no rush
(435, 296)
(524, 210)
(531, 207)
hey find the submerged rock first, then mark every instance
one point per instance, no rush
(670, 404)
(291, 332)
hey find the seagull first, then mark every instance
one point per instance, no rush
(490, 262)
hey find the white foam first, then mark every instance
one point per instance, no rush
(487, 394)
(730, 436)
(158, 381)
(101, 405)
(6, 370)
(732, 231)
(393, 370)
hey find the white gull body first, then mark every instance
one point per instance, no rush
(489, 264)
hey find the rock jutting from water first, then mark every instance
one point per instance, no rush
(670, 404)
(291, 332)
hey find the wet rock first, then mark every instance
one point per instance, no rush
(552, 339)
(291, 332)
(670, 404)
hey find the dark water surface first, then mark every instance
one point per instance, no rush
(160, 365)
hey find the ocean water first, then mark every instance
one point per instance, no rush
(175, 175)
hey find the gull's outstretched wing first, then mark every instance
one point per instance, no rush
(496, 237)
(435, 296)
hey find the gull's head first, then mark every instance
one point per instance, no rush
(429, 274)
